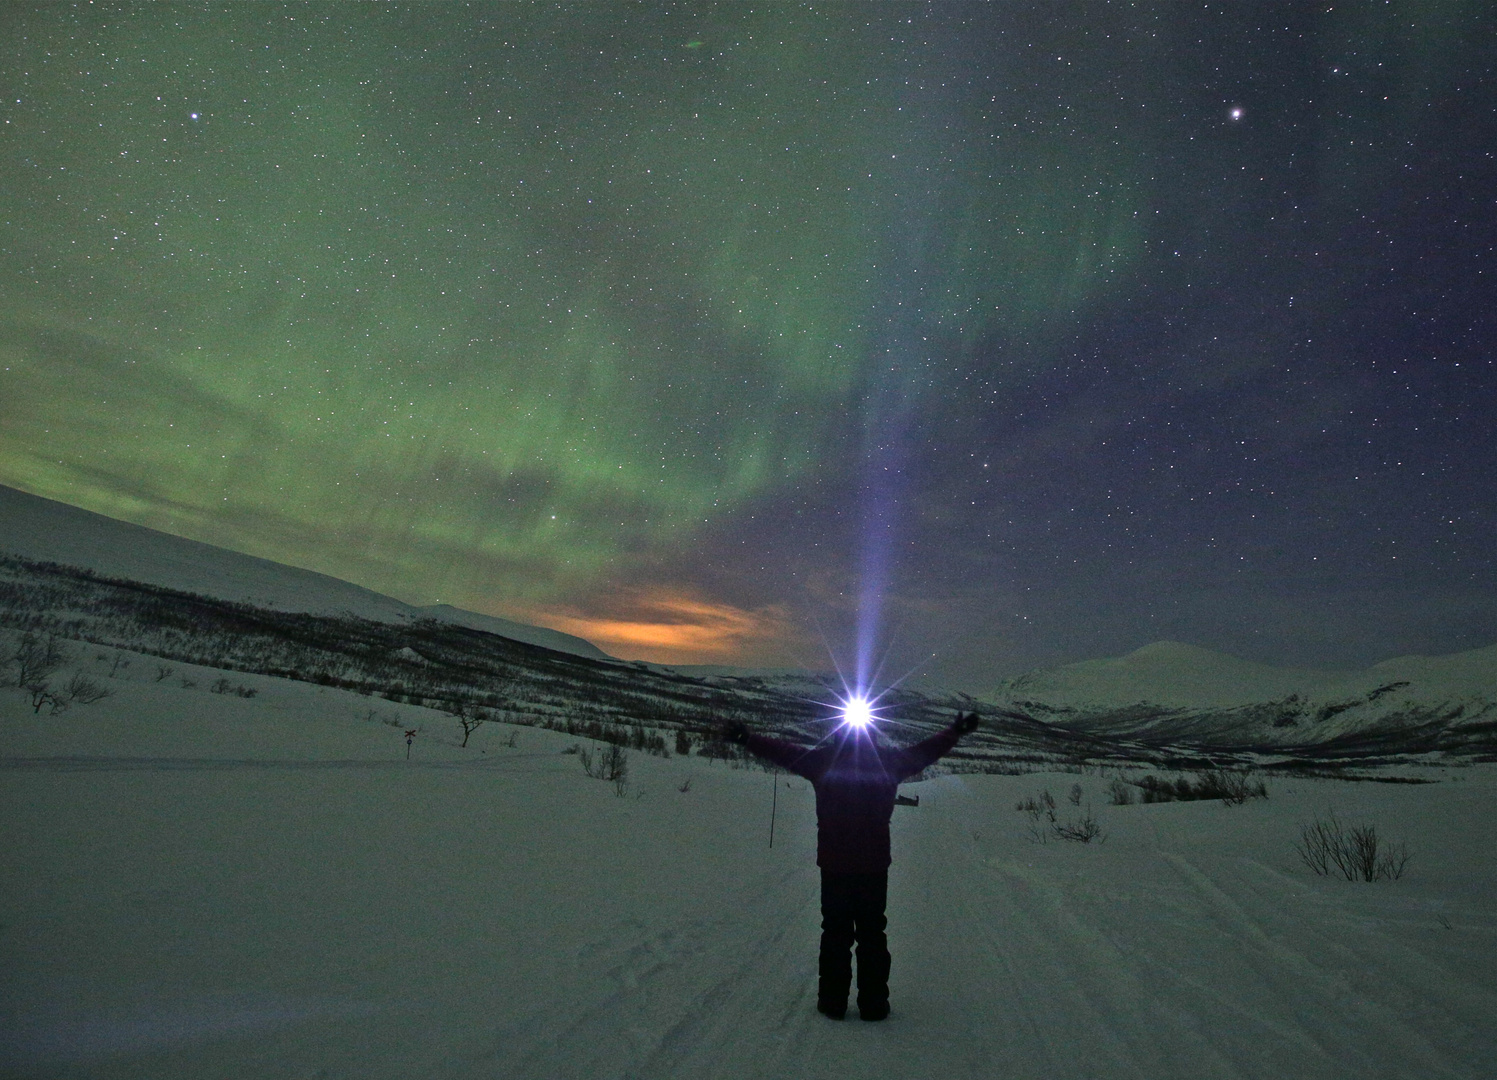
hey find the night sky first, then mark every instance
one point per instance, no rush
(1010, 334)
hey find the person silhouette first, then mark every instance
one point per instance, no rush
(855, 777)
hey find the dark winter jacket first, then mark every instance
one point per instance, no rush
(855, 780)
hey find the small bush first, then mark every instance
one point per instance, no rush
(611, 763)
(42, 695)
(85, 691)
(1043, 821)
(1120, 793)
(1039, 807)
(1082, 831)
(1231, 788)
(1355, 852)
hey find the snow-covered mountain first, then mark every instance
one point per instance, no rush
(1169, 691)
(45, 530)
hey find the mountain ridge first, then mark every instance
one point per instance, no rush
(39, 528)
(1171, 692)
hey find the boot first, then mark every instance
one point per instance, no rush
(834, 1010)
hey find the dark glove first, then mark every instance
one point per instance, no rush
(736, 731)
(965, 723)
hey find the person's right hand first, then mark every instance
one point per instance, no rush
(966, 723)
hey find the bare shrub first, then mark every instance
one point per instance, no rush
(1075, 796)
(1120, 793)
(1355, 852)
(1041, 813)
(610, 763)
(1083, 830)
(684, 788)
(163, 672)
(42, 695)
(221, 685)
(613, 764)
(1043, 821)
(1232, 788)
(683, 741)
(85, 691)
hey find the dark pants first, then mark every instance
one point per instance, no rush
(852, 909)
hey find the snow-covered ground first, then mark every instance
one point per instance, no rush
(204, 885)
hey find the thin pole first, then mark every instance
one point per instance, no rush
(774, 801)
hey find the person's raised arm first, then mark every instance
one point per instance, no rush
(927, 751)
(786, 755)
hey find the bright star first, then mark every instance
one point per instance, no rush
(1236, 112)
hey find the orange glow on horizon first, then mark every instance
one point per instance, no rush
(669, 628)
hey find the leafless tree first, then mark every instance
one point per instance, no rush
(36, 659)
(472, 718)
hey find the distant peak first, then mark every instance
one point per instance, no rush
(1172, 648)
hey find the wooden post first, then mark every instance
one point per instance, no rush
(774, 802)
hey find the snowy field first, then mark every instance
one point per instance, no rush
(202, 885)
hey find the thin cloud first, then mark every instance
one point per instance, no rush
(674, 628)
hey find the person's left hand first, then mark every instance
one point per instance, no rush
(966, 723)
(736, 731)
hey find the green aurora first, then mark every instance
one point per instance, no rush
(506, 306)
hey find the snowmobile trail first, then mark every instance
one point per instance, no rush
(656, 1004)
(1094, 953)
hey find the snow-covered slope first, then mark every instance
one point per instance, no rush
(45, 530)
(492, 624)
(1169, 690)
(1166, 673)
